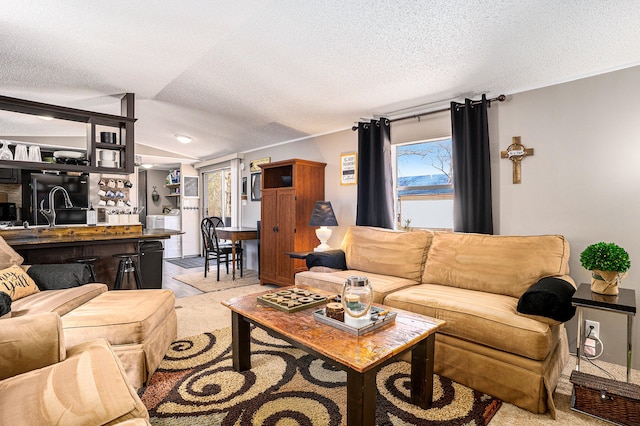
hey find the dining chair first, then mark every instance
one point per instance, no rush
(213, 250)
(218, 222)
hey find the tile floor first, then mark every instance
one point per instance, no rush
(179, 289)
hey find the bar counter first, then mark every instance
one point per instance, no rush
(62, 244)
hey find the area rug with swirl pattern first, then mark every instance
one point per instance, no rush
(196, 385)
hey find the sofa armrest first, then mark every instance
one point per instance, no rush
(334, 259)
(30, 342)
(549, 300)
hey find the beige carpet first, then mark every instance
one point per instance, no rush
(209, 284)
(203, 313)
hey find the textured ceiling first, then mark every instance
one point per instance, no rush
(236, 75)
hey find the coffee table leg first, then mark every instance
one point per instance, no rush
(361, 398)
(240, 342)
(422, 372)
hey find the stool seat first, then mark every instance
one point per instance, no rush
(127, 265)
(88, 260)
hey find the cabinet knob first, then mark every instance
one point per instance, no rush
(276, 229)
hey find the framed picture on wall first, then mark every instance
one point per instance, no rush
(349, 168)
(256, 182)
(190, 184)
(254, 165)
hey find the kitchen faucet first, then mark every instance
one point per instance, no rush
(50, 213)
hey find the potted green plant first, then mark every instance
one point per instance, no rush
(608, 264)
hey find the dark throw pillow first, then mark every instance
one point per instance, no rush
(550, 299)
(5, 303)
(59, 276)
(331, 259)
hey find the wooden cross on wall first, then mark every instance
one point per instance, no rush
(516, 152)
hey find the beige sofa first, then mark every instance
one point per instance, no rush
(138, 324)
(44, 382)
(474, 282)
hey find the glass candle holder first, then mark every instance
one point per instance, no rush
(357, 296)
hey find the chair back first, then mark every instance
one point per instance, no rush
(217, 221)
(209, 241)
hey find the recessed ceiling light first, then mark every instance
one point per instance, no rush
(184, 138)
(147, 166)
(45, 117)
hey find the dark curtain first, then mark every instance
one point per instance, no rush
(375, 177)
(471, 167)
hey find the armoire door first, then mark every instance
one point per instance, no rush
(268, 234)
(285, 236)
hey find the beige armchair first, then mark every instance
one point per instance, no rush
(42, 383)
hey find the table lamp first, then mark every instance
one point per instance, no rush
(323, 216)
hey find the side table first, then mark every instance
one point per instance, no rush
(298, 254)
(623, 303)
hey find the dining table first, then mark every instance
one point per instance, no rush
(236, 234)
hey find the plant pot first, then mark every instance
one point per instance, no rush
(605, 282)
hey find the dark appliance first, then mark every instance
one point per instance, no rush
(76, 186)
(151, 253)
(8, 212)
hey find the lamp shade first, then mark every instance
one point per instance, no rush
(323, 215)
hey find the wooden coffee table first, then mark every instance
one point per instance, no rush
(360, 356)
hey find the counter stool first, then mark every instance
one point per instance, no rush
(127, 265)
(88, 260)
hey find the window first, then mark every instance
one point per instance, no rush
(218, 194)
(424, 184)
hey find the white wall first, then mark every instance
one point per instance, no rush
(582, 182)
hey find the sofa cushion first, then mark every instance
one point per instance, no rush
(17, 283)
(138, 313)
(498, 264)
(8, 256)
(384, 251)
(548, 300)
(334, 281)
(59, 276)
(59, 301)
(484, 318)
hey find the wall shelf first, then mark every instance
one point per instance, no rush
(122, 125)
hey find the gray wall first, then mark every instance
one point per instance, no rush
(582, 182)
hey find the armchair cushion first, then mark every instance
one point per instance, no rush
(88, 388)
(42, 384)
(59, 276)
(548, 300)
(334, 259)
(16, 283)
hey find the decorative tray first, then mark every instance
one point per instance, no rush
(292, 300)
(320, 315)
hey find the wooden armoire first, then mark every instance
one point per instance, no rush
(290, 190)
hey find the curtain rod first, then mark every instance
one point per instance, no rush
(499, 98)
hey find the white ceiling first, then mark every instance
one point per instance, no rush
(236, 75)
